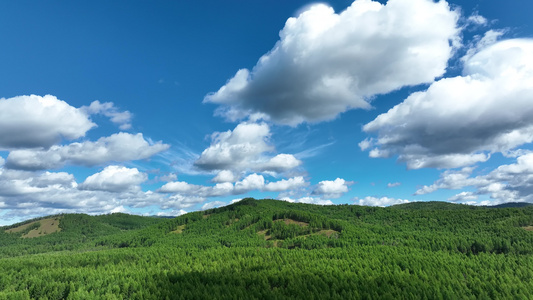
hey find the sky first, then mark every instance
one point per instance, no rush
(168, 107)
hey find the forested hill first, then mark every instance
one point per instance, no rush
(273, 223)
(256, 249)
(67, 232)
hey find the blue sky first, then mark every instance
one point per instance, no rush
(167, 107)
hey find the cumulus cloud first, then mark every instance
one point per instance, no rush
(507, 183)
(235, 200)
(451, 179)
(179, 201)
(280, 163)
(25, 194)
(249, 183)
(332, 189)
(375, 201)
(108, 109)
(462, 120)
(308, 200)
(326, 63)
(463, 197)
(115, 179)
(235, 149)
(225, 176)
(185, 188)
(213, 204)
(243, 149)
(285, 184)
(118, 147)
(39, 121)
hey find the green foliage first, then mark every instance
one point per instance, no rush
(257, 249)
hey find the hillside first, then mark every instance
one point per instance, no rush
(66, 232)
(258, 249)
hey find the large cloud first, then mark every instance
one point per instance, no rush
(507, 183)
(243, 149)
(26, 194)
(235, 149)
(326, 63)
(332, 189)
(285, 184)
(249, 183)
(35, 121)
(375, 201)
(462, 120)
(118, 147)
(308, 200)
(115, 179)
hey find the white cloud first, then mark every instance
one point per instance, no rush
(178, 201)
(115, 179)
(241, 150)
(332, 189)
(327, 63)
(462, 120)
(249, 183)
(118, 147)
(393, 184)
(225, 176)
(308, 200)
(174, 212)
(177, 187)
(285, 184)
(108, 109)
(213, 204)
(280, 163)
(235, 149)
(463, 197)
(383, 201)
(477, 19)
(451, 179)
(25, 194)
(507, 183)
(120, 209)
(167, 177)
(39, 121)
(235, 200)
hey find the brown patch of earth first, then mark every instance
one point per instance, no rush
(47, 226)
(291, 221)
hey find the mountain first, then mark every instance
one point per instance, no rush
(256, 249)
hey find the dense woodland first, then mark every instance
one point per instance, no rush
(268, 249)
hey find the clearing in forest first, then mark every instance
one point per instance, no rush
(44, 227)
(179, 229)
(291, 221)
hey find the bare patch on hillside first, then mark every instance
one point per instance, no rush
(528, 228)
(42, 227)
(291, 221)
(329, 233)
(179, 229)
(264, 234)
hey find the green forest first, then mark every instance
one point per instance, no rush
(270, 249)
